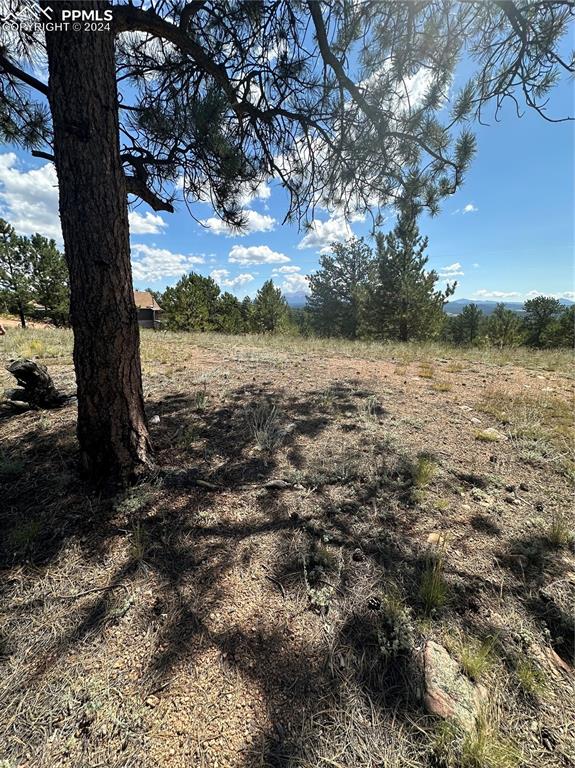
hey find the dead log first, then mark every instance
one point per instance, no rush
(36, 385)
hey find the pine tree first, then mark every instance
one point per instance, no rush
(564, 336)
(468, 325)
(402, 301)
(49, 278)
(229, 310)
(16, 269)
(248, 315)
(504, 327)
(540, 313)
(191, 304)
(270, 309)
(337, 289)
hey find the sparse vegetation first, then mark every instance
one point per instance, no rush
(264, 423)
(315, 584)
(530, 677)
(424, 470)
(426, 371)
(559, 532)
(433, 589)
(441, 386)
(486, 749)
(138, 542)
(476, 656)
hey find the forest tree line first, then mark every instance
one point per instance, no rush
(386, 293)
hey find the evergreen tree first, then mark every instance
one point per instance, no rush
(191, 304)
(301, 321)
(49, 278)
(469, 324)
(230, 319)
(16, 270)
(566, 330)
(402, 301)
(248, 315)
(540, 313)
(270, 309)
(560, 332)
(337, 289)
(504, 327)
(224, 94)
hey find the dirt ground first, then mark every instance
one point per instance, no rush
(260, 602)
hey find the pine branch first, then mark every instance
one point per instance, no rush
(14, 71)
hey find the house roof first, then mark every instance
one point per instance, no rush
(145, 300)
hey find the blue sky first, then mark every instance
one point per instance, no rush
(508, 233)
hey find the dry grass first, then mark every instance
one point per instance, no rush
(273, 621)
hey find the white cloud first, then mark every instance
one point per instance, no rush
(475, 265)
(561, 295)
(321, 234)
(29, 198)
(151, 263)
(452, 270)
(29, 201)
(255, 254)
(261, 192)
(286, 270)
(221, 276)
(469, 208)
(148, 224)
(294, 282)
(484, 293)
(254, 222)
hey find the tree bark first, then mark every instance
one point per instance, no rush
(82, 91)
(22, 314)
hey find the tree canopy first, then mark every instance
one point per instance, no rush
(337, 288)
(33, 270)
(351, 105)
(403, 300)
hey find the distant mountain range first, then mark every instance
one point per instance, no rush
(297, 299)
(487, 307)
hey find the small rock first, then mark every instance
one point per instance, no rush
(447, 692)
(523, 486)
(436, 539)
(152, 701)
(494, 434)
(558, 662)
(277, 484)
(475, 420)
(155, 420)
(510, 499)
(510, 488)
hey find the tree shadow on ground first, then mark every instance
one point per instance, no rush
(336, 548)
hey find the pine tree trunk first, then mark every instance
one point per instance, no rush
(112, 431)
(22, 314)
